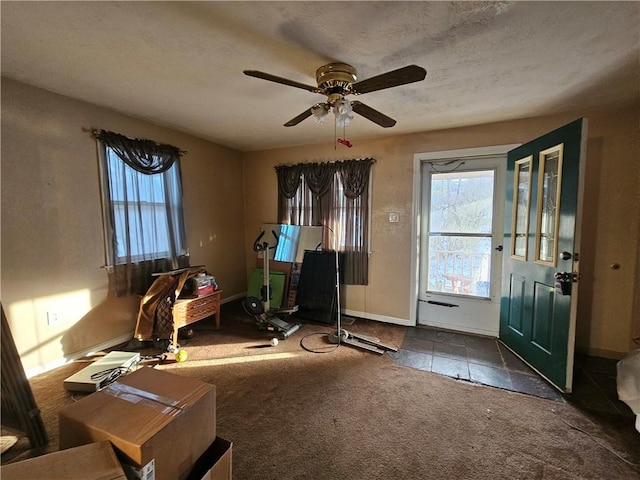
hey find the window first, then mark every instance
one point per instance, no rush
(143, 215)
(143, 207)
(460, 232)
(336, 196)
(521, 206)
(549, 183)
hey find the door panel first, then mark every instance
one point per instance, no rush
(537, 311)
(543, 301)
(516, 304)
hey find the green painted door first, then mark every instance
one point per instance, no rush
(541, 251)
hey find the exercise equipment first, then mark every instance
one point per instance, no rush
(267, 317)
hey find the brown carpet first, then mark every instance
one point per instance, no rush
(350, 414)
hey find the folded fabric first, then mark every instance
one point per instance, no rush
(628, 382)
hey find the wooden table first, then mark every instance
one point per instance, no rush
(189, 310)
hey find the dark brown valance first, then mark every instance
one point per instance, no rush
(144, 156)
(355, 176)
(289, 177)
(319, 177)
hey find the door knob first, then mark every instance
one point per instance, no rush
(563, 282)
(565, 256)
(571, 277)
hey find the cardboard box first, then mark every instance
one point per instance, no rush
(95, 461)
(215, 463)
(159, 423)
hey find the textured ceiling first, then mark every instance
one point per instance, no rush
(179, 64)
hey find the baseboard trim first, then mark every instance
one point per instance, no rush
(379, 318)
(599, 352)
(233, 298)
(47, 367)
(32, 372)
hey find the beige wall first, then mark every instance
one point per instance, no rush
(52, 249)
(52, 237)
(612, 214)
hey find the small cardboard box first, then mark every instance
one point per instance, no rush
(215, 463)
(95, 461)
(159, 423)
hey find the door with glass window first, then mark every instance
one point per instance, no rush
(541, 252)
(460, 244)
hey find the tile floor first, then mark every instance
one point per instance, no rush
(486, 361)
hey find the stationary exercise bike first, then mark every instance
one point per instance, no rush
(267, 317)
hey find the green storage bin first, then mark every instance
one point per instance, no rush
(276, 282)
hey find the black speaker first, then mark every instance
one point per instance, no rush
(316, 297)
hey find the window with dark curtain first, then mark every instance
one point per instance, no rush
(143, 214)
(336, 196)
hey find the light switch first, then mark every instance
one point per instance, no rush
(393, 217)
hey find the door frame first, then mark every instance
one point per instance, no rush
(418, 160)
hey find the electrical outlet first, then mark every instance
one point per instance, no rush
(52, 318)
(393, 217)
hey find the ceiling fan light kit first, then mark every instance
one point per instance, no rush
(319, 112)
(342, 110)
(336, 81)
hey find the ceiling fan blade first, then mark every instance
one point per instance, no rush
(283, 81)
(401, 76)
(299, 118)
(372, 114)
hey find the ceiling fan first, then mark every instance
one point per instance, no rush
(336, 81)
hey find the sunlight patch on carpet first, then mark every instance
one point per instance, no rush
(232, 360)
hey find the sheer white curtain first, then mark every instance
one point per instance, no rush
(142, 197)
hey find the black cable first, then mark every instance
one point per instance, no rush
(161, 357)
(108, 376)
(595, 440)
(335, 346)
